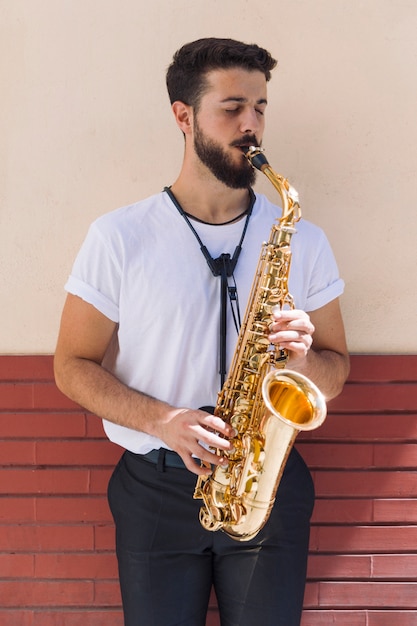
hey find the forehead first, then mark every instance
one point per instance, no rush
(235, 83)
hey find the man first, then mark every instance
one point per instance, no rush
(139, 346)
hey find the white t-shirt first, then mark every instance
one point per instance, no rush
(142, 267)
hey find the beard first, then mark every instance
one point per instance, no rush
(221, 164)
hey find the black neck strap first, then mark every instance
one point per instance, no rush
(223, 266)
(224, 262)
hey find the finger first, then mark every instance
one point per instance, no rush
(303, 325)
(195, 466)
(288, 331)
(214, 440)
(217, 424)
(205, 464)
(292, 316)
(299, 324)
(294, 336)
(298, 348)
(287, 313)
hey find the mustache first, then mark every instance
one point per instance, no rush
(245, 142)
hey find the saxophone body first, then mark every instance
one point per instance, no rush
(267, 404)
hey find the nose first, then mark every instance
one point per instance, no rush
(251, 121)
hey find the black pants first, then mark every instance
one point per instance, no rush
(168, 562)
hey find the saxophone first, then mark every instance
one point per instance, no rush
(266, 404)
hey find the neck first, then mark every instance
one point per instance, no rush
(211, 203)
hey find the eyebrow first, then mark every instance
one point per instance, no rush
(241, 100)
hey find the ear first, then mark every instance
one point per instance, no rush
(183, 114)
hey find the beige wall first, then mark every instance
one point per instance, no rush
(86, 127)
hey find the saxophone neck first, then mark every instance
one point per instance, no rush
(291, 211)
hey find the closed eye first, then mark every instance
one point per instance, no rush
(258, 111)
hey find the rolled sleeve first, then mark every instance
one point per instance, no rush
(77, 287)
(331, 292)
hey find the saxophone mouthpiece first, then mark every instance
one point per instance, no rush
(256, 158)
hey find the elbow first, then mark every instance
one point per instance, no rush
(57, 374)
(341, 377)
(60, 375)
(346, 369)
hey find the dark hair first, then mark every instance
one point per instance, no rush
(186, 76)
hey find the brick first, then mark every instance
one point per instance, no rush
(394, 566)
(73, 509)
(366, 484)
(311, 594)
(45, 481)
(42, 425)
(340, 618)
(46, 395)
(368, 594)
(17, 566)
(341, 566)
(96, 566)
(95, 429)
(337, 455)
(14, 452)
(17, 510)
(107, 593)
(16, 617)
(365, 427)
(16, 396)
(22, 539)
(383, 368)
(359, 455)
(26, 367)
(363, 539)
(212, 598)
(398, 455)
(46, 593)
(85, 617)
(213, 618)
(77, 452)
(395, 510)
(343, 511)
(99, 480)
(104, 537)
(392, 618)
(358, 397)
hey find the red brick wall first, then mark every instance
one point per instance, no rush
(57, 563)
(363, 560)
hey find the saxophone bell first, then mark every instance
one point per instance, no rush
(294, 399)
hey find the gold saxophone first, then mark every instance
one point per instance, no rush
(266, 404)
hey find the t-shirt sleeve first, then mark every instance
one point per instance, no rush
(314, 277)
(325, 282)
(95, 275)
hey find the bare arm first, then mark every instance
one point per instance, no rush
(84, 337)
(327, 362)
